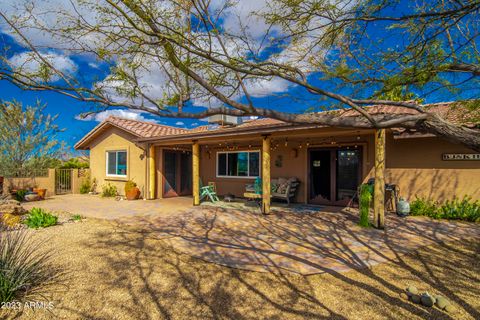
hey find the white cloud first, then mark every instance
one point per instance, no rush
(264, 87)
(179, 123)
(121, 113)
(29, 63)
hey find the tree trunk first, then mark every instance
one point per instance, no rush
(453, 133)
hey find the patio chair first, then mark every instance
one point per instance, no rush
(208, 191)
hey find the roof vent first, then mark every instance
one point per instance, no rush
(224, 120)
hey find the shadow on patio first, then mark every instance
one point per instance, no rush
(153, 261)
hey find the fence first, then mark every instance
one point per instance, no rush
(56, 181)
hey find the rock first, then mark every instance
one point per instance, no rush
(403, 295)
(415, 298)
(411, 290)
(449, 308)
(12, 207)
(427, 300)
(441, 302)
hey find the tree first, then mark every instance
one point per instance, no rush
(27, 139)
(165, 56)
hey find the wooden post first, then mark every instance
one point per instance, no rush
(151, 172)
(196, 173)
(266, 175)
(379, 191)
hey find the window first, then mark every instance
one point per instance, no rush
(238, 164)
(117, 163)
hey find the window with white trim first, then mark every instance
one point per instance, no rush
(238, 164)
(117, 163)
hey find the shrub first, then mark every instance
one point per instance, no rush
(456, 209)
(129, 185)
(366, 195)
(464, 209)
(85, 187)
(26, 273)
(9, 219)
(423, 207)
(39, 218)
(20, 195)
(76, 217)
(109, 190)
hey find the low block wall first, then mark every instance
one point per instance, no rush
(47, 182)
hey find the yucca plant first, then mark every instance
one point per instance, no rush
(26, 273)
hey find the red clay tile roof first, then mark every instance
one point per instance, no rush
(144, 129)
(449, 111)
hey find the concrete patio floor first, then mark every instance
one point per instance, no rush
(298, 239)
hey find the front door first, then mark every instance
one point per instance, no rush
(334, 175)
(177, 174)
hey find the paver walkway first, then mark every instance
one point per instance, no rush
(302, 239)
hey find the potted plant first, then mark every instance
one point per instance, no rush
(131, 190)
(41, 192)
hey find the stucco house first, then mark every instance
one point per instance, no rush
(329, 163)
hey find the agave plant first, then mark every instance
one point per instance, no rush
(26, 272)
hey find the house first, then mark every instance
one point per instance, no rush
(328, 162)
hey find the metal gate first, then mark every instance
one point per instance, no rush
(63, 181)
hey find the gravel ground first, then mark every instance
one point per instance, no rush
(120, 272)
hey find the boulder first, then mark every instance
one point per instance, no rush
(415, 298)
(411, 290)
(427, 300)
(441, 302)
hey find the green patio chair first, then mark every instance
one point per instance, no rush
(208, 191)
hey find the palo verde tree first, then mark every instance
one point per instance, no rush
(27, 139)
(164, 56)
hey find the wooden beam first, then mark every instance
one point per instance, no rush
(152, 172)
(196, 173)
(266, 189)
(379, 190)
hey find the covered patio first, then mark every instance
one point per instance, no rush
(278, 153)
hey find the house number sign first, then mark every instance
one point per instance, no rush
(461, 156)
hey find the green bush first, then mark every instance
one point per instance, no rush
(20, 195)
(366, 196)
(39, 218)
(456, 209)
(26, 273)
(85, 187)
(423, 207)
(109, 190)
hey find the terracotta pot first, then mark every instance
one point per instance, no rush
(133, 194)
(41, 192)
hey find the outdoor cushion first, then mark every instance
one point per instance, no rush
(274, 187)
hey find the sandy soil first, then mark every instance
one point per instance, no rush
(119, 272)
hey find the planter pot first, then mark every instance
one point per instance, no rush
(133, 194)
(41, 192)
(31, 197)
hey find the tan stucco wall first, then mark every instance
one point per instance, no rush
(416, 165)
(115, 139)
(292, 165)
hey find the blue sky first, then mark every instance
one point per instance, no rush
(88, 70)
